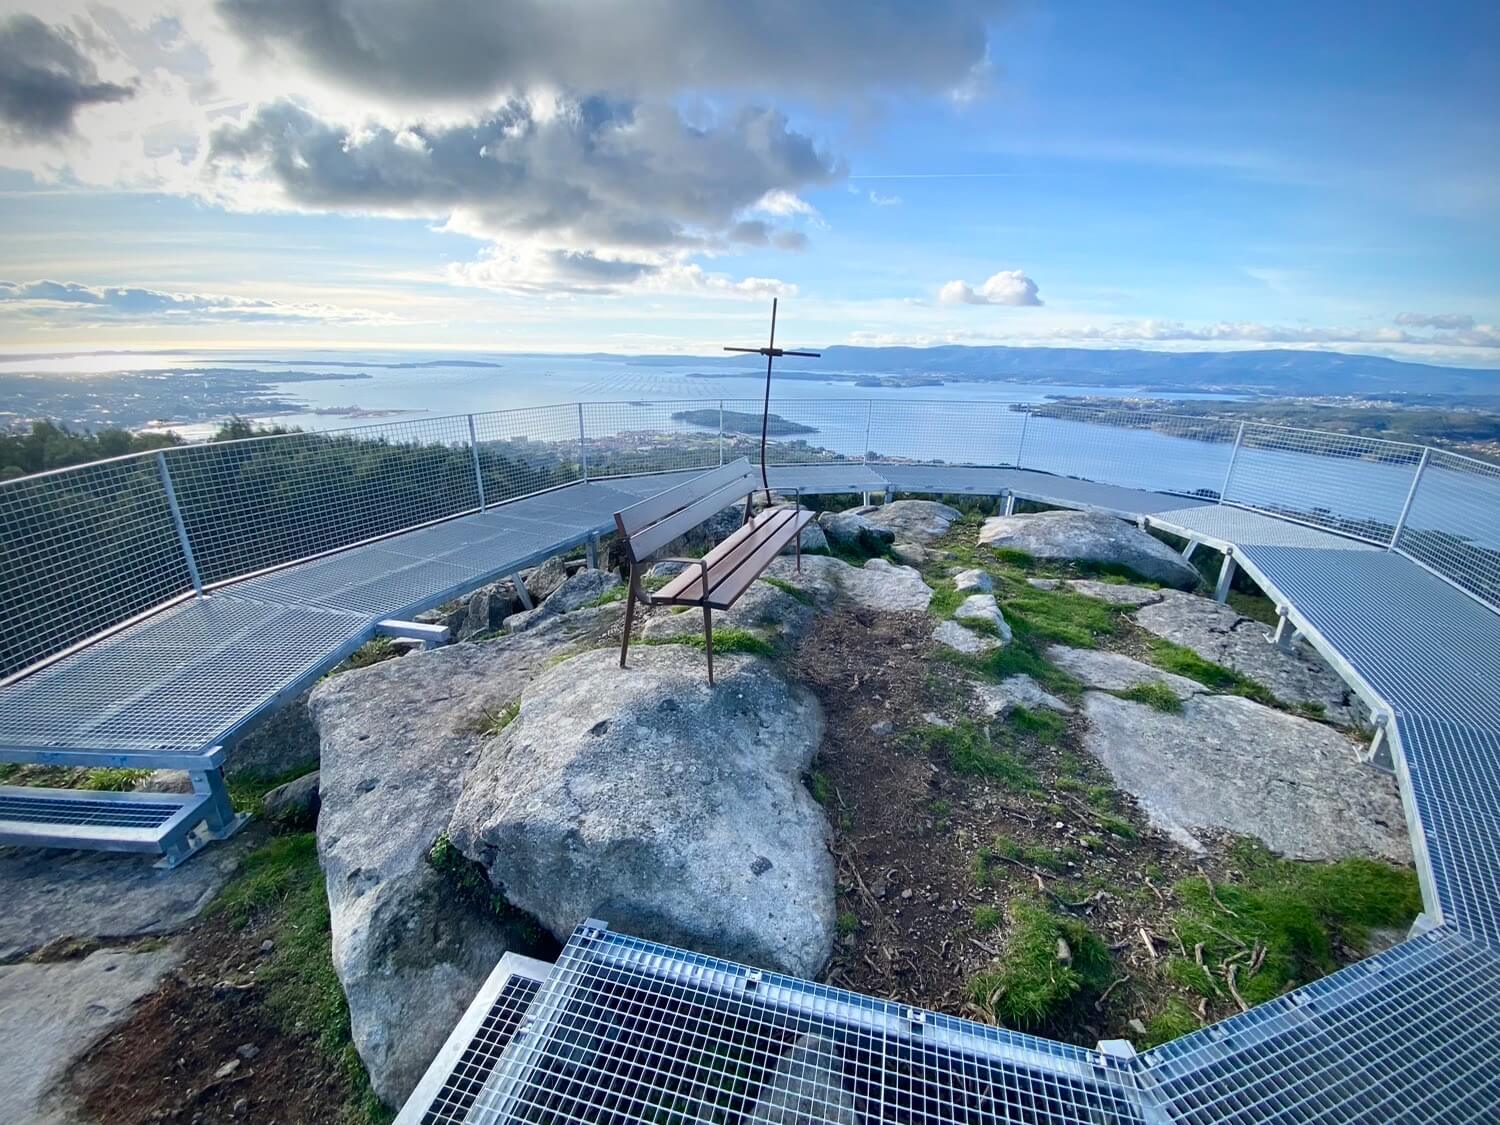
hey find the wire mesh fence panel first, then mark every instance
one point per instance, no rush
(625, 438)
(260, 502)
(81, 550)
(1134, 448)
(945, 433)
(1453, 524)
(800, 431)
(526, 450)
(1356, 486)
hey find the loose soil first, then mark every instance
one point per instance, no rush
(909, 831)
(178, 1057)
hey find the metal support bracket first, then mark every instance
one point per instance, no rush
(1379, 753)
(1226, 577)
(591, 552)
(1286, 633)
(1010, 503)
(1192, 546)
(219, 821)
(430, 636)
(521, 591)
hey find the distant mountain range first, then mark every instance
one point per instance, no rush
(1275, 372)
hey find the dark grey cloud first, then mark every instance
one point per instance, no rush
(77, 301)
(466, 49)
(596, 174)
(46, 78)
(1435, 320)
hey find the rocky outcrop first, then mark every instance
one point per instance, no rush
(851, 531)
(999, 700)
(578, 591)
(1217, 632)
(877, 585)
(973, 582)
(763, 609)
(1089, 537)
(1115, 593)
(909, 554)
(910, 521)
(399, 739)
(964, 640)
(1226, 762)
(50, 1014)
(1113, 671)
(983, 610)
(672, 809)
(294, 804)
(282, 741)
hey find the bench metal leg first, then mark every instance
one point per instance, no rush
(708, 641)
(591, 552)
(798, 541)
(629, 618)
(1226, 578)
(521, 591)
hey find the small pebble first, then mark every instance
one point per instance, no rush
(241, 1107)
(227, 1069)
(268, 945)
(906, 893)
(247, 1051)
(1138, 1027)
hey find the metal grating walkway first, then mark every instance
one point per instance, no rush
(1408, 1036)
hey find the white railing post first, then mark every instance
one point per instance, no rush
(721, 433)
(1021, 445)
(182, 535)
(1411, 494)
(1234, 455)
(474, 455)
(864, 456)
(583, 445)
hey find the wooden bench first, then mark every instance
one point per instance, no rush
(717, 580)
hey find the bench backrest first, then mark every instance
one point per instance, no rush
(649, 526)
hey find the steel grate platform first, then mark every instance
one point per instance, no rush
(626, 1030)
(23, 805)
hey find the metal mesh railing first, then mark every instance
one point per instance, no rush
(940, 432)
(261, 502)
(81, 550)
(86, 548)
(1453, 523)
(524, 451)
(1133, 448)
(1356, 486)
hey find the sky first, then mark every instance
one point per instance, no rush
(559, 175)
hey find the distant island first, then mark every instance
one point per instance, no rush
(738, 422)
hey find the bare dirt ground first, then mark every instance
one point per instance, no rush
(915, 838)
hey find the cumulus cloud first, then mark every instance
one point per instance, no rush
(46, 78)
(1008, 287)
(1435, 320)
(78, 303)
(475, 49)
(528, 271)
(583, 176)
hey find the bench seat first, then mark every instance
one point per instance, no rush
(736, 562)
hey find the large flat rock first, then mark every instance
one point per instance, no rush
(876, 585)
(1114, 671)
(1089, 537)
(911, 521)
(51, 1013)
(1217, 632)
(51, 894)
(399, 739)
(1226, 762)
(672, 809)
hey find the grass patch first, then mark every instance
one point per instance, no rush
(1172, 1022)
(1032, 986)
(1033, 855)
(8, 770)
(1010, 556)
(725, 641)
(372, 652)
(492, 723)
(970, 750)
(987, 917)
(1154, 694)
(613, 594)
(788, 588)
(280, 886)
(820, 787)
(848, 922)
(1185, 662)
(945, 599)
(1058, 615)
(114, 780)
(1282, 926)
(1257, 607)
(1118, 826)
(1045, 726)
